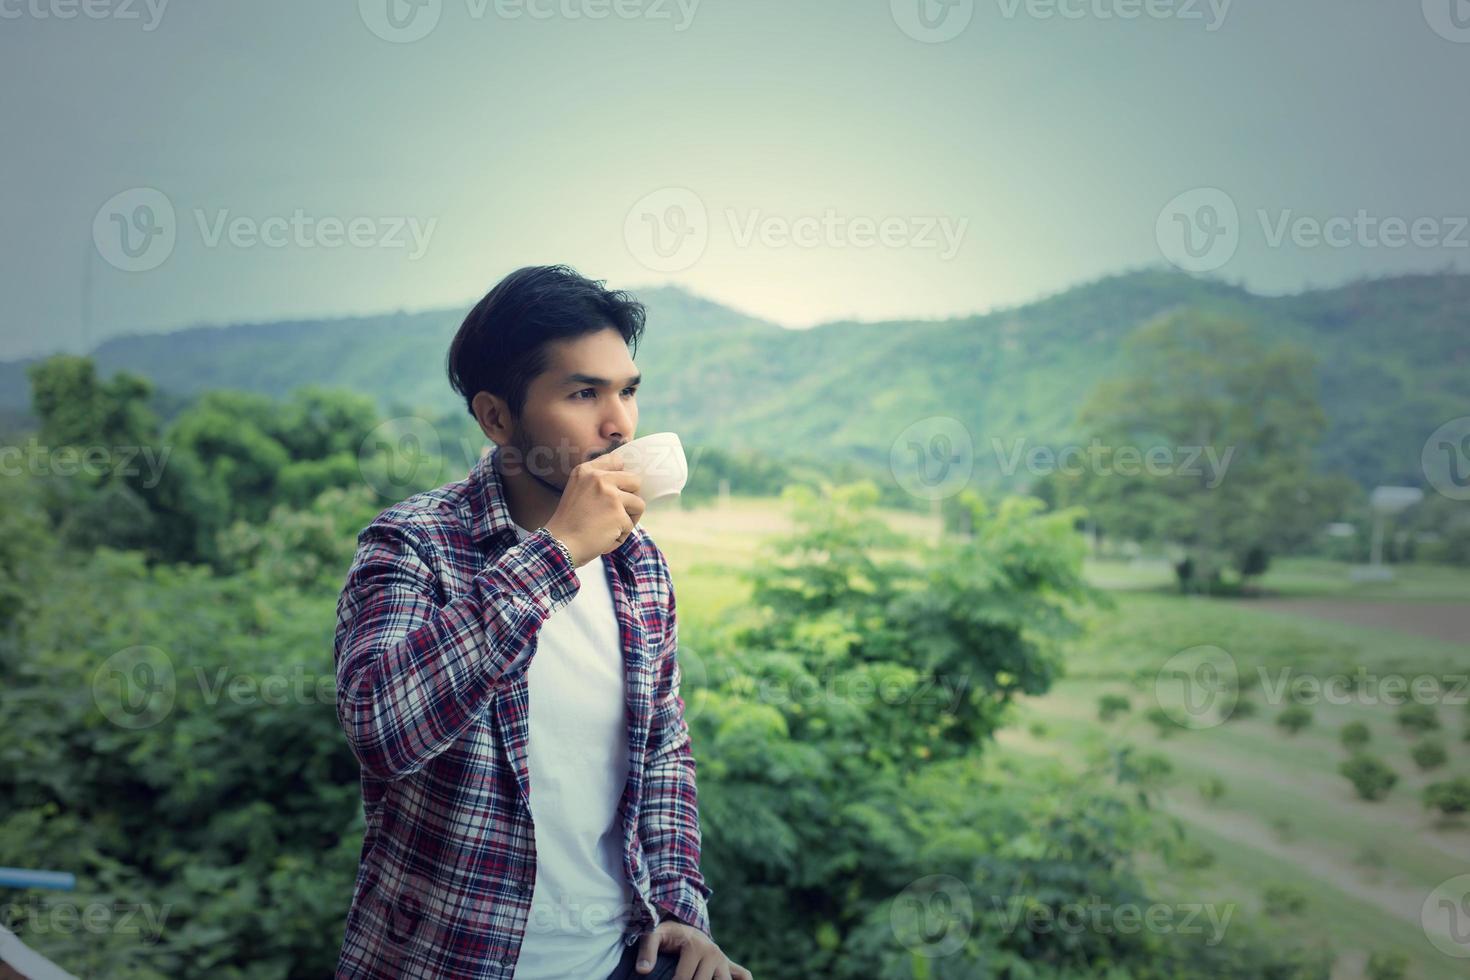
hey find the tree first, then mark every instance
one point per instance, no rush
(144, 495)
(1205, 445)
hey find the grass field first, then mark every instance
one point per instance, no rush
(1362, 870)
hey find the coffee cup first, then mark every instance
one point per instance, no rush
(659, 459)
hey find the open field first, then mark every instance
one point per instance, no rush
(1286, 817)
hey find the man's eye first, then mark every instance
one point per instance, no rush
(584, 391)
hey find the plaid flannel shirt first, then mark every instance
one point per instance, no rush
(436, 626)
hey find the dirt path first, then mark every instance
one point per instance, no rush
(1398, 899)
(1439, 620)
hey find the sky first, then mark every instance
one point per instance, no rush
(172, 164)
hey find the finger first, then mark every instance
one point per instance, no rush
(688, 960)
(634, 505)
(647, 952)
(738, 972)
(708, 964)
(722, 972)
(624, 480)
(607, 461)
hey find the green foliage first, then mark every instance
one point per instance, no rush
(1429, 753)
(1370, 776)
(1245, 415)
(1354, 735)
(1244, 708)
(171, 738)
(1387, 966)
(1450, 797)
(1162, 721)
(1280, 899)
(1110, 705)
(1212, 789)
(1417, 718)
(1293, 718)
(227, 459)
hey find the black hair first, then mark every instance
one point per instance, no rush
(501, 346)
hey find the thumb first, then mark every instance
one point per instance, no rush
(647, 951)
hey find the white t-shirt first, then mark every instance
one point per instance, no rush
(577, 754)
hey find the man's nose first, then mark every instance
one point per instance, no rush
(618, 428)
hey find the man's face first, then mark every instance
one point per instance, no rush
(583, 405)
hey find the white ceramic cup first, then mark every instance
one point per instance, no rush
(659, 459)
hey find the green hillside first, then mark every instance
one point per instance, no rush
(1393, 361)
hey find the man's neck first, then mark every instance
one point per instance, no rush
(530, 503)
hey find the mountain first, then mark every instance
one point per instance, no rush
(1393, 363)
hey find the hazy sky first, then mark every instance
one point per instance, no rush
(210, 162)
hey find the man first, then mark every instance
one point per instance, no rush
(507, 679)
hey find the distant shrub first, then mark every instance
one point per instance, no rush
(1417, 718)
(1387, 966)
(1450, 797)
(1160, 719)
(1429, 754)
(1212, 789)
(1370, 776)
(1283, 900)
(1154, 769)
(1244, 708)
(1355, 735)
(1293, 718)
(1109, 706)
(1188, 854)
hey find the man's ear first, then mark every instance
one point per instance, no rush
(493, 414)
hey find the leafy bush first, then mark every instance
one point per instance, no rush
(1244, 708)
(1293, 718)
(1387, 966)
(1109, 706)
(1354, 735)
(829, 822)
(1429, 754)
(1370, 776)
(1280, 899)
(1162, 721)
(1450, 797)
(1417, 718)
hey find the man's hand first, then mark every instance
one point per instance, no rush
(699, 957)
(597, 509)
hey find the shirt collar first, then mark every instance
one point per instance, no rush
(490, 516)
